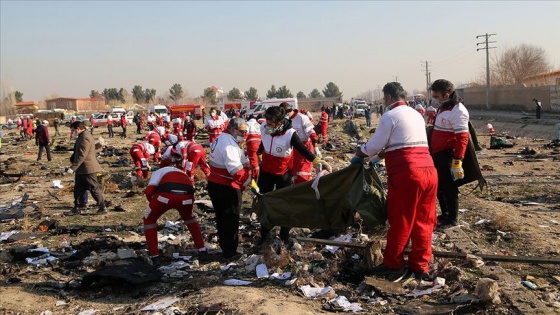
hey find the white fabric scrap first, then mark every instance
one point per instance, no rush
(313, 292)
(342, 301)
(344, 238)
(5, 235)
(262, 271)
(236, 282)
(228, 266)
(284, 276)
(315, 184)
(161, 304)
(417, 293)
(290, 282)
(57, 183)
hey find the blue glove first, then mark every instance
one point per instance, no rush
(357, 160)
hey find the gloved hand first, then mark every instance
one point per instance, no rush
(319, 164)
(457, 171)
(149, 167)
(70, 171)
(259, 157)
(318, 153)
(254, 187)
(357, 160)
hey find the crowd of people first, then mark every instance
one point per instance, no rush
(279, 149)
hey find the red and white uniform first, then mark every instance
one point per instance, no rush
(109, 119)
(431, 112)
(412, 186)
(419, 108)
(277, 153)
(490, 128)
(253, 142)
(451, 130)
(215, 125)
(123, 121)
(324, 123)
(29, 127)
(141, 157)
(168, 158)
(228, 163)
(192, 155)
(168, 189)
(177, 126)
(301, 167)
(151, 121)
(154, 139)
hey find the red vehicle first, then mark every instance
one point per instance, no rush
(176, 111)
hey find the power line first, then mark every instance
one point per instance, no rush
(486, 47)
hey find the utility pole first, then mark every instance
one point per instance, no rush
(487, 48)
(422, 63)
(396, 79)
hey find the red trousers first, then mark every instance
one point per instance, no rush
(411, 202)
(214, 133)
(301, 168)
(324, 127)
(158, 205)
(140, 163)
(198, 158)
(252, 148)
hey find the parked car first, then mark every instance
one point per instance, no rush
(101, 119)
(361, 109)
(8, 126)
(67, 119)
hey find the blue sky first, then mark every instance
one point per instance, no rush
(69, 48)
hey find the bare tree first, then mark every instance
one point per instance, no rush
(7, 101)
(513, 65)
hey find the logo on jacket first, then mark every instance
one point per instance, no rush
(278, 149)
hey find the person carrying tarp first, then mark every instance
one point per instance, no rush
(412, 185)
(278, 141)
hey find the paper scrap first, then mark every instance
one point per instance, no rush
(312, 292)
(342, 301)
(236, 282)
(262, 271)
(284, 276)
(161, 304)
(344, 238)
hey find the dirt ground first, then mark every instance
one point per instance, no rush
(517, 215)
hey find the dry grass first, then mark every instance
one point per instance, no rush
(502, 222)
(108, 184)
(25, 224)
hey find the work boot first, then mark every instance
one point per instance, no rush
(389, 273)
(102, 210)
(76, 210)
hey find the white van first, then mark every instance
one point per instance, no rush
(260, 107)
(160, 110)
(121, 111)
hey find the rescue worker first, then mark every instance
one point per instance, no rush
(450, 138)
(324, 123)
(177, 126)
(490, 128)
(140, 153)
(189, 128)
(30, 127)
(167, 121)
(23, 131)
(168, 189)
(301, 168)
(420, 109)
(192, 155)
(151, 121)
(278, 140)
(431, 112)
(214, 124)
(153, 138)
(123, 125)
(142, 122)
(401, 139)
(110, 125)
(229, 176)
(252, 144)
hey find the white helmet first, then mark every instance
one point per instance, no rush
(45, 122)
(173, 139)
(150, 148)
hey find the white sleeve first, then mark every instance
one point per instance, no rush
(232, 159)
(380, 138)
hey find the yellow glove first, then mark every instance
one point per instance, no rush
(254, 187)
(319, 164)
(260, 157)
(457, 171)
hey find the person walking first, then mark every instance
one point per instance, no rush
(324, 123)
(168, 189)
(56, 125)
(401, 139)
(85, 167)
(189, 128)
(91, 122)
(229, 176)
(450, 138)
(110, 125)
(367, 113)
(42, 139)
(137, 121)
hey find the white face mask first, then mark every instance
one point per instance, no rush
(239, 139)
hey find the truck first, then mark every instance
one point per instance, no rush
(194, 110)
(160, 110)
(260, 107)
(237, 105)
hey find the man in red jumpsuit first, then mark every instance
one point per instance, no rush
(412, 186)
(140, 153)
(189, 128)
(448, 144)
(29, 128)
(324, 123)
(192, 155)
(431, 112)
(123, 125)
(214, 124)
(168, 189)
(154, 139)
(252, 143)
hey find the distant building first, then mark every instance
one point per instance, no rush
(79, 105)
(27, 107)
(543, 79)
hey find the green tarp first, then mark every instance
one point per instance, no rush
(342, 194)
